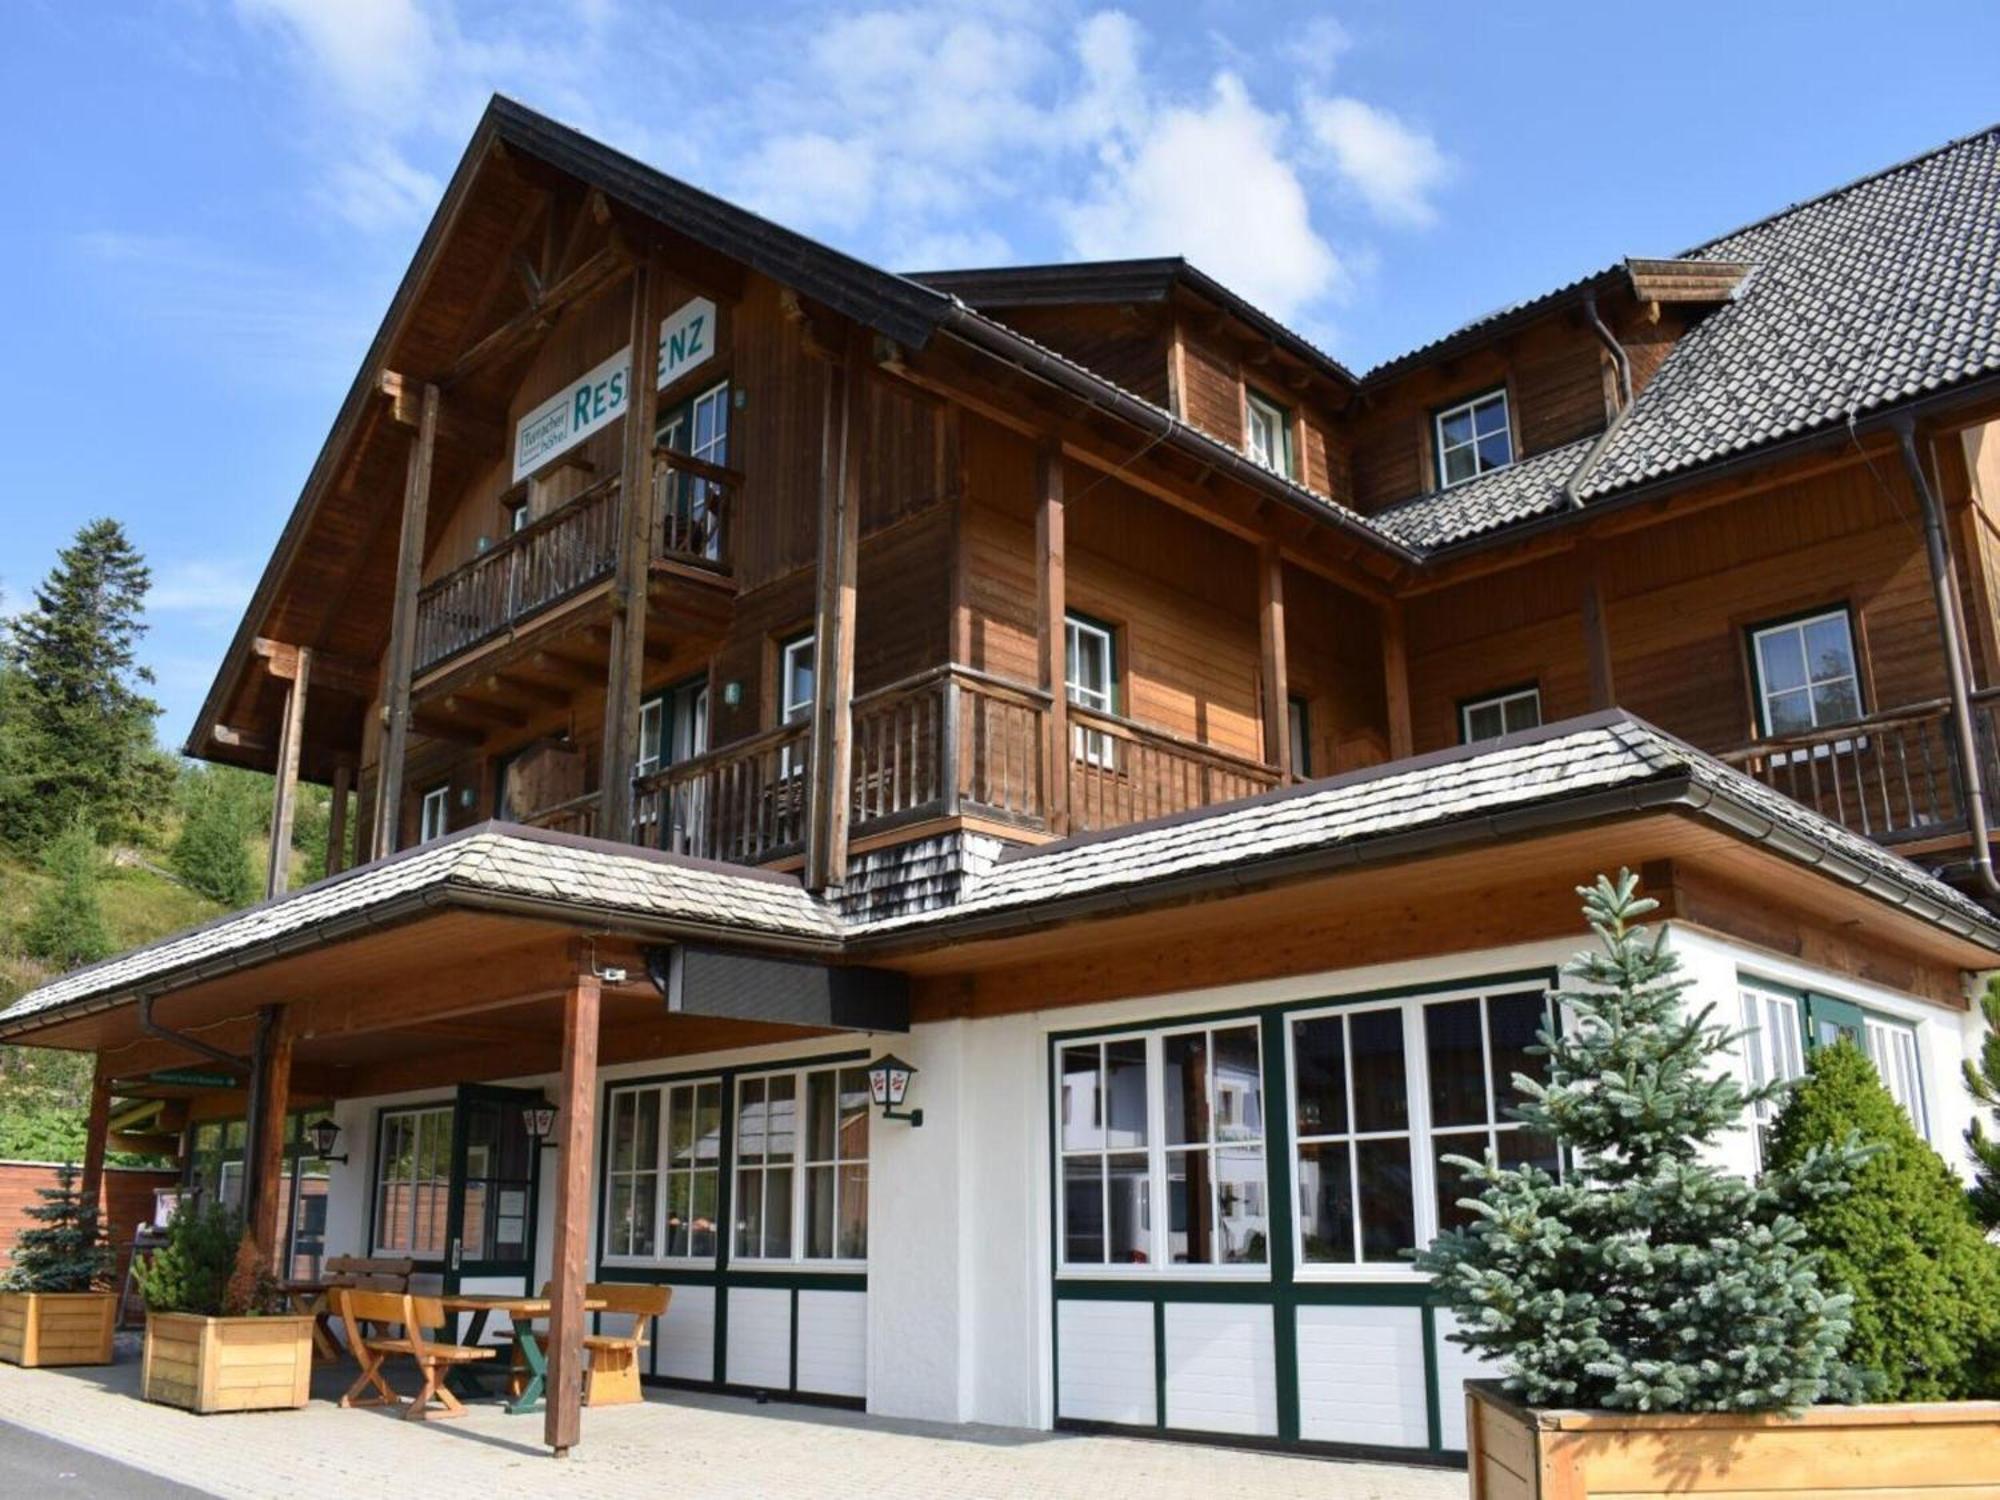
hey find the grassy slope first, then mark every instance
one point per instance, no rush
(139, 906)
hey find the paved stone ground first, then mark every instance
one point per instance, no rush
(694, 1446)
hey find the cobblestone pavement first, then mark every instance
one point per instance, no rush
(695, 1446)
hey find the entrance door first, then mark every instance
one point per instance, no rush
(490, 1228)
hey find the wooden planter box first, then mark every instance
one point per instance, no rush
(1516, 1452)
(227, 1364)
(57, 1328)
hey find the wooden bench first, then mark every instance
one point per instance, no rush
(368, 1272)
(415, 1316)
(612, 1376)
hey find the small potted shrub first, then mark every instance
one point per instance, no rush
(56, 1307)
(1662, 1326)
(218, 1337)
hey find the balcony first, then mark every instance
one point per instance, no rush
(948, 742)
(1891, 776)
(571, 550)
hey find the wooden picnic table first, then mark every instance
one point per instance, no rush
(521, 1313)
(309, 1297)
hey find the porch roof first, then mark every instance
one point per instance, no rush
(1577, 772)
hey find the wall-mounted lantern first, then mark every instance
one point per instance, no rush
(539, 1120)
(325, 1135)
(888, 1084)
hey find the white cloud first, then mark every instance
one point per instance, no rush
(810, 181)
(1393, 166)
(1211, 182)
(1318, 46)
(198, 587)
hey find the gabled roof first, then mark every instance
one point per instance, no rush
(1580, 771)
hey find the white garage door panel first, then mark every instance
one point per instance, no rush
(833, 1343)
(1104, 1362)
(1455, 1367)
(1361, 1376)
(684, 1340)
(760, 1338)
(1221, 1369)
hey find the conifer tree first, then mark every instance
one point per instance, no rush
(1647, 1278)
(82, 742)
(65, 1250)
(210, 853)
(1924, 1281)
(1982, 1078)
(67, 927)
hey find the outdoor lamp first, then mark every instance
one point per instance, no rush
(888, 1082)
(539, 1120)
(324, 1133)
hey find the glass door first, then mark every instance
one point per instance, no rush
(490, 1231)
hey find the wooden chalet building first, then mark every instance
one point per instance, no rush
(1180, 748)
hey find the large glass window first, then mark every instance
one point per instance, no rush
(1474, 438)
(662, 1188)
(1351, 1095)
(1173, 1118)
(413, 1182)
(1773, 1047)
(801, 1190)
(1892, 1045)
(1806, 673)
(1473, 1047)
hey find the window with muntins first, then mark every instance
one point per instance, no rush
(1351, 1104)
(662, 1176)
(1892, 1047)
(413, 1182)
(700, 429)
(1161, 1141)
(1473, 1047)
(1502, 713)
(1267, 432)
(1474, 438)
(1089, 681)
(1773, 1048)
(802, 1178)
(1807, 677)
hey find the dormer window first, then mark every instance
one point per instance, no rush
(1267, 433)
(1474, 438)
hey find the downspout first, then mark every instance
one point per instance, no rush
(1573, 486)
(1944, 589)
(1610, 341)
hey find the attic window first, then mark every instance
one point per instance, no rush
(1474, 438)
(1267, 432)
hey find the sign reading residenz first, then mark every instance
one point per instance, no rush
(687, 339)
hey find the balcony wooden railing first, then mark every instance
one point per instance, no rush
(571, 548)
(1891, 776)
(538, 566)
(577, 815)
(1120, 772)
(744, 804)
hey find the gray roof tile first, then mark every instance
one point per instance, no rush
(1473, 507)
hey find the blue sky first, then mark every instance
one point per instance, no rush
(209, 201)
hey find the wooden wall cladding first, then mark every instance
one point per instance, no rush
(1212, 385)
(1127, 345)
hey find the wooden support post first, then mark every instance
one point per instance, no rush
(575, 1130)
(264, 1150)
(285, 795)
(1396, 682)
(1596, 634)
(833, 619)
(97, 1126)
(403, 631)
(336, 817)
(1271, 636)
(1052, 628)
(625, 682)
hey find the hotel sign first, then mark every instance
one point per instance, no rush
(596, 399)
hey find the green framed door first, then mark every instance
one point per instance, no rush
(490, 1223)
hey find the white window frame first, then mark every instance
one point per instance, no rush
(1261, 410)
(1158, 1199)
(1896, 1051)
(1091, 746)
(800, 1164)
(421, 1113)
(1472, 408)
(1421, 1131)
(662, 1170)
(1773, 1046)
(434, 814)
(1761, 633)
(712, 449)
(1501, 702)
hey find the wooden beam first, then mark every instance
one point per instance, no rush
(96, 1131)
(1396, 682)
(522, 687)
(1052, 629)
(626, 670)
(340, 673)
(590, 277)
(285, 792)
(233, 738)
(336, 816)
(264, 1151)
(403, 630)
(1271, 638)
(489, 713)
(569, 1260)
(833, 616)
